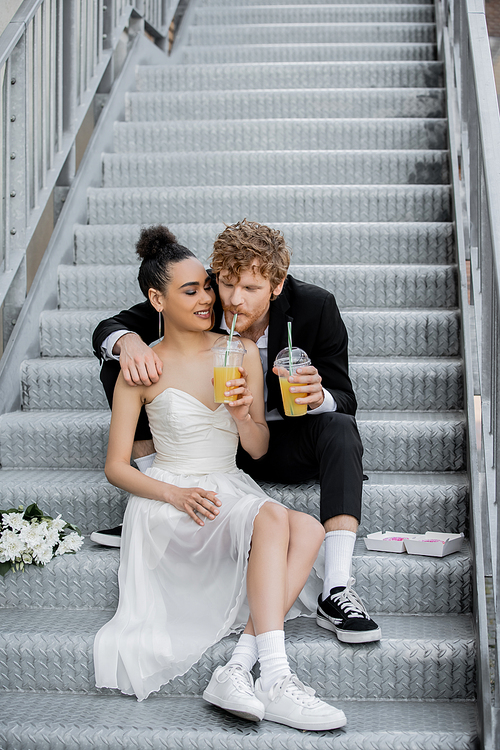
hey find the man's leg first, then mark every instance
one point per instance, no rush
(327, 447)
(142, 451)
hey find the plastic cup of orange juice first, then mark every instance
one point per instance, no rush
(285, 370)
(228, 356)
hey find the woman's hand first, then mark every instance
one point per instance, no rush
(193, 500)
(239, 409)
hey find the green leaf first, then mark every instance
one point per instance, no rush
(72, 527)
(32, 512)
(4, 567)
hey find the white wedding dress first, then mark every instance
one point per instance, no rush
(183, 586)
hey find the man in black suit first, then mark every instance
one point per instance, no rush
(250, 263)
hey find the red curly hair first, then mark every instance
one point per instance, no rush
(246, 244)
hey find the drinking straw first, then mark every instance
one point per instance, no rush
(290, 358)
(233, 324)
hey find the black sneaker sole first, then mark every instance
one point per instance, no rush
(348, 636)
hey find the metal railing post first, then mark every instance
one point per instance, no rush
(16, 206)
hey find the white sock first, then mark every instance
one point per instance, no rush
(144, 462)
(339, 546)
(245, 653)
(272, 658)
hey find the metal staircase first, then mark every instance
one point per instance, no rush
(327, 120)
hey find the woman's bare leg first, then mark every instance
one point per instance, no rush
(286, 543)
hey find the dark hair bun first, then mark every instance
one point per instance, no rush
(153, 240)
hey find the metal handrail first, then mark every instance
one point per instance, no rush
(474, 128)
(54, 55)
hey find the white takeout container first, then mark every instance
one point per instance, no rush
(380, 541)
(441, 544)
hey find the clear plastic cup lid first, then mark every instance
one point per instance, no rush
(222, 344)
(299, 357)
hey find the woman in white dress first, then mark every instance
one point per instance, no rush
(204, 551)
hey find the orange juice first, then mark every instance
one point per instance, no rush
(221, 376)
(291, 408)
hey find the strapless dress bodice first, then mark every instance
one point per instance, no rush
(189, 437)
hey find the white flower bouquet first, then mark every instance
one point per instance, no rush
(30, 537)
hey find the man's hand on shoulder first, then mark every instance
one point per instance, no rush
(139, 364)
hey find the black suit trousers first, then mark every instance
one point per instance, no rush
(325, 447)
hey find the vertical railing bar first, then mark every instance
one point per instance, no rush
(82, 50)
(35, 118)
(59, 63)
(89, 69)
(7, 148)
(43, 97)
(100, 30)
(52, 48)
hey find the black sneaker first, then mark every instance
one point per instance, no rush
(344, 614)
(108, 537)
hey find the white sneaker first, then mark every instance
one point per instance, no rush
(296, 705)
(231, 688)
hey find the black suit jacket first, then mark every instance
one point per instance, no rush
(316, 327)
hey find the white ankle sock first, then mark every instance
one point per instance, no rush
(272, 657)
(339, 546)
(245, 653)
(144, 462)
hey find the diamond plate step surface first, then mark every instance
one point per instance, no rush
(306, 53)
(311, 75)
(428, 384)
(411, 242)
(275, 3)
(303, 14)
(276, 168)
(62, 723)
(393, 441)
(392, 333)
(83, 496)
(425, 657)
(389, 583)
(408, 502)
(313, 33)
(82, 287)
(282, 203)
(256, 105)
(254, 135)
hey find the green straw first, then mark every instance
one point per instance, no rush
(233, 324)
(290, 357)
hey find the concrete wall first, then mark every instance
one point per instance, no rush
(7, 10)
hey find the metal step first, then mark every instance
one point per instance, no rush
(254, 135)
(270, 204)
(276, 168)
(429, 658)
(409, 242)
(81, 496)
(247, 53)
(409, 502)
(302, 14)
(379, 383)
(93, 287)
(277, 104)
(393, 441)
(312, 33)
(302, 75)
(276, 3)
(393, 333)
(36, 722)
(387, 583)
